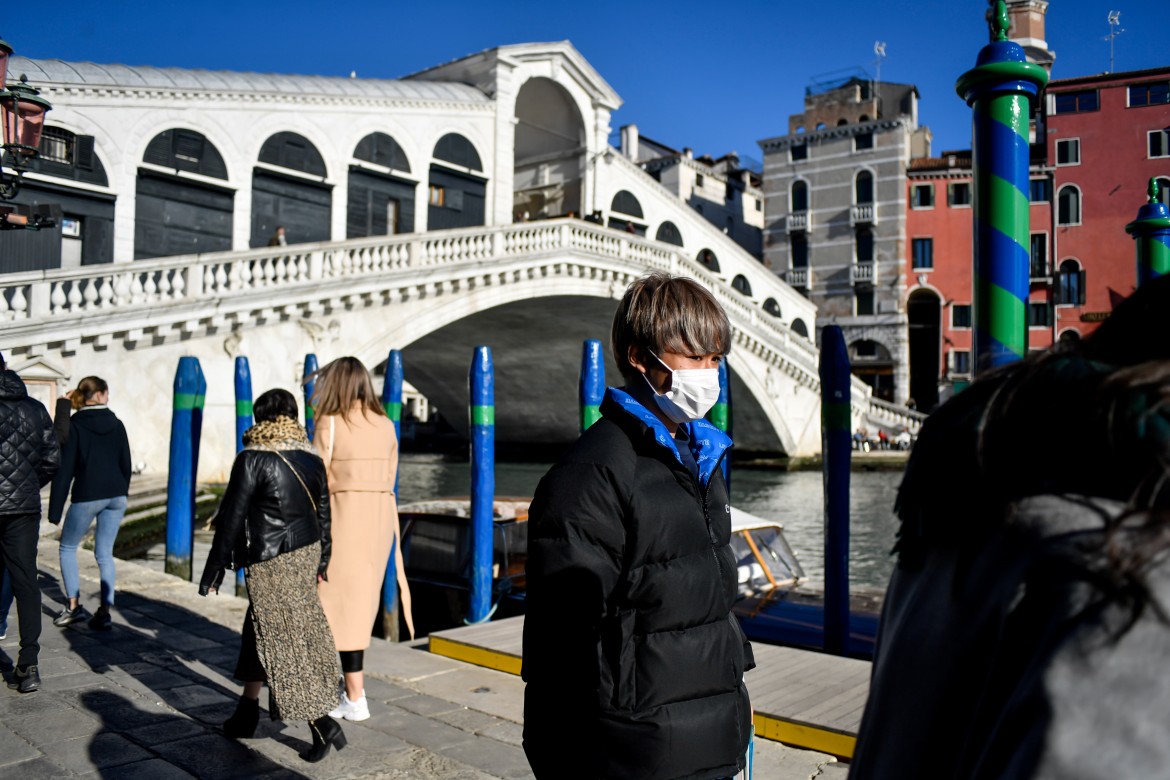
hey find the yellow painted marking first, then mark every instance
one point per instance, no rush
(800, 735)
(475, 655)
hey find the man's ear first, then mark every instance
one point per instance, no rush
(636, 359)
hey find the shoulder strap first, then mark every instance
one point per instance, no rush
(296, 474)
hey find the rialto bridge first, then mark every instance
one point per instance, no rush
(398, 198)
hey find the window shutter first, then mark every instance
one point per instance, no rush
(950, 195)
(83, 152)
(1081, 287)
(454, 200)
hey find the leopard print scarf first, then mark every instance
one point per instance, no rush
(283, 433)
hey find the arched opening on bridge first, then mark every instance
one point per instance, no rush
(924, 312)
(178, 214)
(85, 234)
(626, 213)
(457, 187)
(772, 306)
(799, 328)
(709, 261)
(381, 194)
(668, 232)
(549, 151)
(873, 364)
(742, 285)
(290, 191)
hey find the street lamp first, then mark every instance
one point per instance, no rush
(22, 120)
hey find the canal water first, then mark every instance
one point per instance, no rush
(794, 498)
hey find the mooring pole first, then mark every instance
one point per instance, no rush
(1000, 89)
(310, 382)
(1151, 235)
(392, 403)
(591, 385)
(720, 415)
(243, 423)
(836, 452)
(483, 482)
(181, 469)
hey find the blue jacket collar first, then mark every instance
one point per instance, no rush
(707, 442)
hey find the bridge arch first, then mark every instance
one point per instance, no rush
(380, 200)
(549, 150)
(290, 190)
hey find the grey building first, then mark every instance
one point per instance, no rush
(835, 213)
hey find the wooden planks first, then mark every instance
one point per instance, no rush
(810, 700)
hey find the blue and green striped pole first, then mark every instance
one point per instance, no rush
(181, 469)
(392, 403)
(1000, 89)
(720, 415)
(591, 385)
(310, 384)
(243, 423)
(483, 482)
(1151, 234)
(836, 453)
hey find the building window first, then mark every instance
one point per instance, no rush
(1040, 190)
(862, 141)
(798, 152)
(865, 245)
(1068, 206)
(961, 315)
(759, 204)
(923, 249)
(698, 181)
(1038, 256)
(1038, 315)
(1068, 151)
(922, 196)
(1154, 94)
(799, 251)
(799, 196)
(1160, 143)
(864, 302)
(959, 193)
(729, 192)
(1075, 102)
(1070, 287)
(863, 187)
(962, 362)
(438, 195)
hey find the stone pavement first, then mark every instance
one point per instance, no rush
(145, 701)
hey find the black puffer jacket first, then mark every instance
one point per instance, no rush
(266, 511)
(633, 660)
(29, 455)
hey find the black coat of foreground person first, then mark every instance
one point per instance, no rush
(1025, 630)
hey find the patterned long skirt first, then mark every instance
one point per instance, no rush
(293, 645)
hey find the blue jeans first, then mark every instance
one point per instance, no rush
(108, 512)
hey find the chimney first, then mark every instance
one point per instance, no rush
(630, 142)
(688, 152)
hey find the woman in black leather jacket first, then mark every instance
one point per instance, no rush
(274, 521)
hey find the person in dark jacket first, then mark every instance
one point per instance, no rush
(1024, 632)
(274, 521)
(29, 457)
(96, 459)
(633, 661)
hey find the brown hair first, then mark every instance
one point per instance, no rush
(86, 389)
(660, 312)
(340, 385)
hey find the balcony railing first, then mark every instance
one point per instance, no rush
(862, 273)
(863, 214)
(798, 277)
(799, 220)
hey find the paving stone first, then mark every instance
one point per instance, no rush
(48, 728)
(381, 690)
(14, 748)
(212, 757)
(37, 769)
(495, 758)
(188, 696)
(169, 730)
(152, 769)
(421, 731)
(99, 751)
(425, 705)
(506, 731)
(468, 720)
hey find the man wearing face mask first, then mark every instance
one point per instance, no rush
(633, 661)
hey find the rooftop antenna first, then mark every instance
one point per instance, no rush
(879, 49)
(1115, 29)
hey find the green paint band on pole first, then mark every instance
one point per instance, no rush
(836, 416)
(719, 416)
(483, 415)
(184, 401)
(393, 410)
(590, 414)
(199, 398)
(244, 408)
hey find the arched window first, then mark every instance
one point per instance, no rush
(381, 149)
(842, 122)
(1068, 206)
(820, 125)
(380, 202)
(709, 261)
(863, 118)
(625, 203)
(668, 232)
(186, 150)
(799, 195)
(864, 245)
(741, 284)
(1072, 334)
(457, 150)
(295, 152)
(67, 155)
(799, 328)
(1070, 284)
(772, 307)
(863, 187)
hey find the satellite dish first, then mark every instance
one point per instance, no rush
(1115, 17)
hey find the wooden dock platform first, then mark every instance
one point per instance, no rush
(801, 698)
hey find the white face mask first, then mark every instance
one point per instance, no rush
(692, 393)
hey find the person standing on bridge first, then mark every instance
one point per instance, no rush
(633, 661)
(356, 440)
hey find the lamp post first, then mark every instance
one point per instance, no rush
(22, 120)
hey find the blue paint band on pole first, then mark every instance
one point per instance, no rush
(181, 470)
(836, 397)
(310, 385)
(243, 385)
(392, 403)
(591, 384)
(483, 482)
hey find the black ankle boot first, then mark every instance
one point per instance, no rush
(326, 732)
(242, 723)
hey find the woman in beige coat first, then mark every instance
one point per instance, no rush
(356, 440)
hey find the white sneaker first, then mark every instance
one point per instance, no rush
(352, 710)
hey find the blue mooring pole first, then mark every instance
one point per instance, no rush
(310, 385)
(181, 470)
(836, 395)
(1151, 234)
(483, 482)
(243, 423)
(720, 415)
(591, 384)
(392, 403)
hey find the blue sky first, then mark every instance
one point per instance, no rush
(713, 76)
